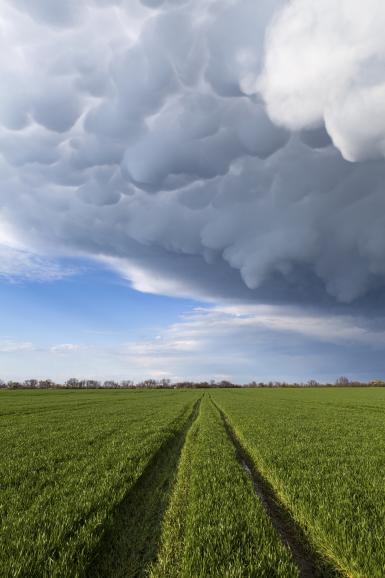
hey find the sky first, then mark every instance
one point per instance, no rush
(192, 189)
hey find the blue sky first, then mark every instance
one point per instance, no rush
(93, 324)
(192, 189)
(95, 302)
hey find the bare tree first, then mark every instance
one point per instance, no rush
(342, 380)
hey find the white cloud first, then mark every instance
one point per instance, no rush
(9, 346)
(19, 265)
(230, 341)
(320, 327)
(65, 347)
(325, 63)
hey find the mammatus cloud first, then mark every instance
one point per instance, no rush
(215, 149)
(324, 65)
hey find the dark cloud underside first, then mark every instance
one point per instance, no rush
(216, 149)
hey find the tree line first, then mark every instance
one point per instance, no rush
(74, 383)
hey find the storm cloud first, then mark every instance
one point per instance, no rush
(204, 148)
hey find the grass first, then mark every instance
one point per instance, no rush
(68, 459)
(132, 539)
(323, 451)
(140, 483)
(216, 525)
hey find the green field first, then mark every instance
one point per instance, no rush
(173, 483)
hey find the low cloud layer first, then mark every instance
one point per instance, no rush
(202, 148)
(237, 342)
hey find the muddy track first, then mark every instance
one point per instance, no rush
(310, 563)
(131, 541)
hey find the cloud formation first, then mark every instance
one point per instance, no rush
(325, 65)
(214, 149)
(9, 346)
(237, 342)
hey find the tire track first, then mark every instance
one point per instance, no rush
(310, 563)
(131, 541)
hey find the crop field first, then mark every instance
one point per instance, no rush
(323, 451)
(192, 483)
(68, 459)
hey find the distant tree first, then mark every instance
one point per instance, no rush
(45, 383)
(32, 383)
(92, 383)
(127, 383)
(164, 382)
(342, 380)
(149, 383)
(225, 383)
(72, 383)
(14, 384)
(312, 383)
(110, 384)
